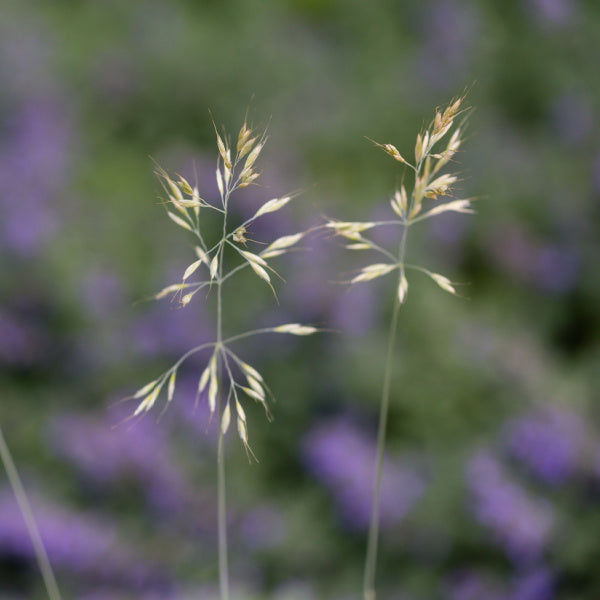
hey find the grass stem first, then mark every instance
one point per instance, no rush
(25, 508)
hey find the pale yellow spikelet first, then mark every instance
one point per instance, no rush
(392, 151)
(281, 244)
(179, 221)
(148, 402)
(225, 419)
(185, 300)
(214, 266)
(240, 411)
(213, 388)
(253, 156)
(460, 206)
(243, 432)
(253, 258)
(220, 181)
(170, 289)
(348, 229)
(251, 371)
(203, 380)
(359, 246)
(184, 186)
(419, 148)
(192, 268)
(243, 137)
(272, 206)
(171, 386)
(399, 202)
(248, 177)
(146, 389)
(295, 329)
(443, 282)
(201, 254)
(253, 383)
(260, 271)
(224, 152)
(402, 288)
(373, 271)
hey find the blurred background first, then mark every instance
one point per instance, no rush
(492, 479)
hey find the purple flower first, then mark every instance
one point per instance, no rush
(263, 527)
(342, 456)
(104, 454)
(450, 28)
(572, 117)
(34, 161)
(553, 12)
(549, 442)
(552, 268)
(519, 522)
(533, 585)
(473, 586)
(21, 342)
(88, 545)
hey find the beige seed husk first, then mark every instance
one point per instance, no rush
(402, 289)
(171, 386)
(179, 221)
(225, 419)
(272, 206)
(190, 270)
(373, 271)
(295, 329)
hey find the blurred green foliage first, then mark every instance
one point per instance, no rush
(91, 90)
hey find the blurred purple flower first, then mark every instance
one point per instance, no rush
(531, 585)
(106, 455)
(342, 456)
(102, 292)
(263, 527)
(167, 329)
(538, 584)
(75, 542)
(522, 524)
(473, 586)
(552, 268)
(572, 117)
(549, 442)
(34, 165)
(552, 12)
(355, 310)
(449, 29)
(22, 343)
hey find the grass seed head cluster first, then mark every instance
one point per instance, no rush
(226, 379)
(430, 185)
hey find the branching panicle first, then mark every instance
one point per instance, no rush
(430, 157)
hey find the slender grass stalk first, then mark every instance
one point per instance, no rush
(227, 379)
(373, 537)
(222, 522)
(429, 184)
(32, 529)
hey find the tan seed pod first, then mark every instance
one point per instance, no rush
(225, 419)
(192, 268)
(272, 206)
(171, 386)
(373, 271)
(179, 221)
(295, 329)
(402, 288)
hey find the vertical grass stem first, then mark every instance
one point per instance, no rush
(25, 508)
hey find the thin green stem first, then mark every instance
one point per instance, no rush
(373, 538)
(25, 508)
(222, 522)
(221, 497)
